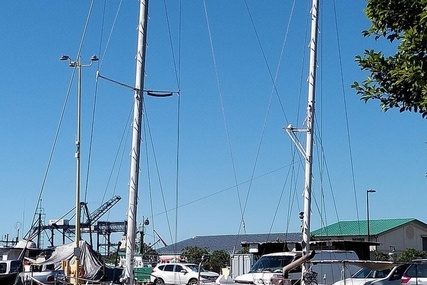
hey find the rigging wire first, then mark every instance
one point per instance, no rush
(272, 78)
(153, 151)
(326, 170)
(122, 144)
(224, 190)
(92, 129)
(242, 223)
(89, 14)
(92, 123)
(177, 166)
(52, 151)
(38, 204)
(323, 166)
(293, 186)
(99, 64)
(322, 162)
(149, 92)
(295, 153)
(113, 26)
(346, 112)
(148, 173)
(274, 91)
(177, 68)
(321, 158)
(279, 202)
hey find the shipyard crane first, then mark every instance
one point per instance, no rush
(63, 224)
(98, 213)
(89, 225)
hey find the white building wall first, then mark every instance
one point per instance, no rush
(408, 236)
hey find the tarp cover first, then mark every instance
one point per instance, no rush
(93, 267)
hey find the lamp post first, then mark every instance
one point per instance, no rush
(77, 64)
(367, 210)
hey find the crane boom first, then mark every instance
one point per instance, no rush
(98, 213)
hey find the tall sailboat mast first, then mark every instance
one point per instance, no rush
(136, 142)
(308, 152)
(310, 127)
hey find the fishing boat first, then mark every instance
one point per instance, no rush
(9, 271)
(16, 264)
(10, 264)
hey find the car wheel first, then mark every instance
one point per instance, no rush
(192, 281)
(159, 281)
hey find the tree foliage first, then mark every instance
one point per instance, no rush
(218, 260)
(215, 261)
(399, 80)
(410, 254)
(193, 254)
(243, 250)
(379, 255)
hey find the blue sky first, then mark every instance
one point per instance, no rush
(230, 121)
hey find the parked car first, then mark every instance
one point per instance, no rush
(181, 274)
(45, 274)
(416, 273)
(366, 276)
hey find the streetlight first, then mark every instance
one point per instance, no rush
(77, 64)
(367, 209)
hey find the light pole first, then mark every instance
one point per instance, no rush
(77, 64)
(367, 210)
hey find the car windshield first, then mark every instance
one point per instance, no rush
(367, 273)
(195, 268)
(271, 263)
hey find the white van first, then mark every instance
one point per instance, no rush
(270, 267)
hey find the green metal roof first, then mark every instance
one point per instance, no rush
(355, 228)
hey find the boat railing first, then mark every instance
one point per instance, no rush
(31, 280)
(82, 281)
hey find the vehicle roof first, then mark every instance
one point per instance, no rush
(318, 252)
(356, 281)
(179, 263)
(284, 253)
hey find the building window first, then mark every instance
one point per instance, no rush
(424, 243)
